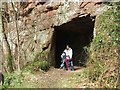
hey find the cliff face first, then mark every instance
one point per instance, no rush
(42, 25)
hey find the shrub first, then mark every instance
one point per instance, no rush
(40, 62)
(37, 66)
(13, 79)
(43, 65)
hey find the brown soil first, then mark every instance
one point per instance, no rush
(58, 78)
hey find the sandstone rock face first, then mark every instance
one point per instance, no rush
(36, 26)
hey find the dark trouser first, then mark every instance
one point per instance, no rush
(71, 65)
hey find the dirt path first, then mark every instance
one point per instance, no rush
(57, 78)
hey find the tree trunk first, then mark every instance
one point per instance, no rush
(6, 46)
(16, 24)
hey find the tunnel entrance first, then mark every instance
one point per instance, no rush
(78, 33)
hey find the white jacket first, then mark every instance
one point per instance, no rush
(69, 53)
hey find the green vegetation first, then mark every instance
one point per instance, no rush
(104, 51)
(13, 79)
(37, 66)
(18, 78)
(22, 78)
(40, 63)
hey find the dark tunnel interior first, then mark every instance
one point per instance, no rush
(78, 33)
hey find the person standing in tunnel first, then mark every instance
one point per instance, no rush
(68, 60)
